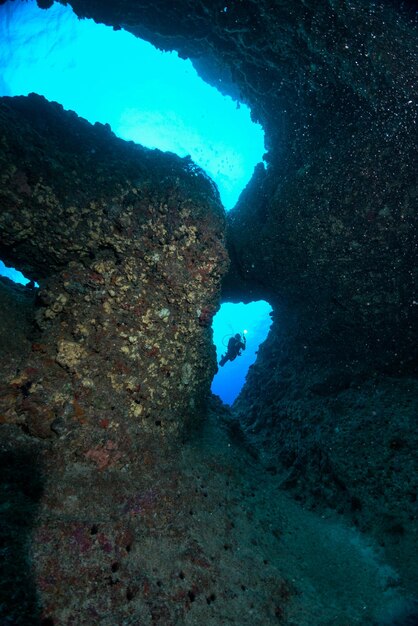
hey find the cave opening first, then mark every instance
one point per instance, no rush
(148, 96)
(252, 320)
(15, 275)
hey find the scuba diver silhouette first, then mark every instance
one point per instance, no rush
(235, 345)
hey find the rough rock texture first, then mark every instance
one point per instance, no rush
(331, 399)
(334, 85)
(127, 246)
(203, 536)
(16, 313)
(330, 403)
(112, 361)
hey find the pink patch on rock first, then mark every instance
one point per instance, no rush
(105, 455)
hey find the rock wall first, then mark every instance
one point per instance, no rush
(127, 246)
(332, 399)
(107, 366)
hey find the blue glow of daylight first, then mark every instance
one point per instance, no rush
(148, 96)
(231, 319)
(13, 274)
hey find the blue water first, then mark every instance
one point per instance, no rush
(151, 97)
(237, 318)
(13, 274)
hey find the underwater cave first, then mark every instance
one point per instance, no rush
(130, 493)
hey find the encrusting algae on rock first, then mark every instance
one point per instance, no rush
(120, 365)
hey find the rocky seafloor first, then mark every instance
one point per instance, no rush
(129, 496)
(202, 535)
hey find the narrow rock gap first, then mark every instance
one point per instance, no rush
(249, 325)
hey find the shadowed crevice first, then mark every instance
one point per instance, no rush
(21, 487)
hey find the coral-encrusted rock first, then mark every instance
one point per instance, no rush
(114, 360)
(127, 245)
